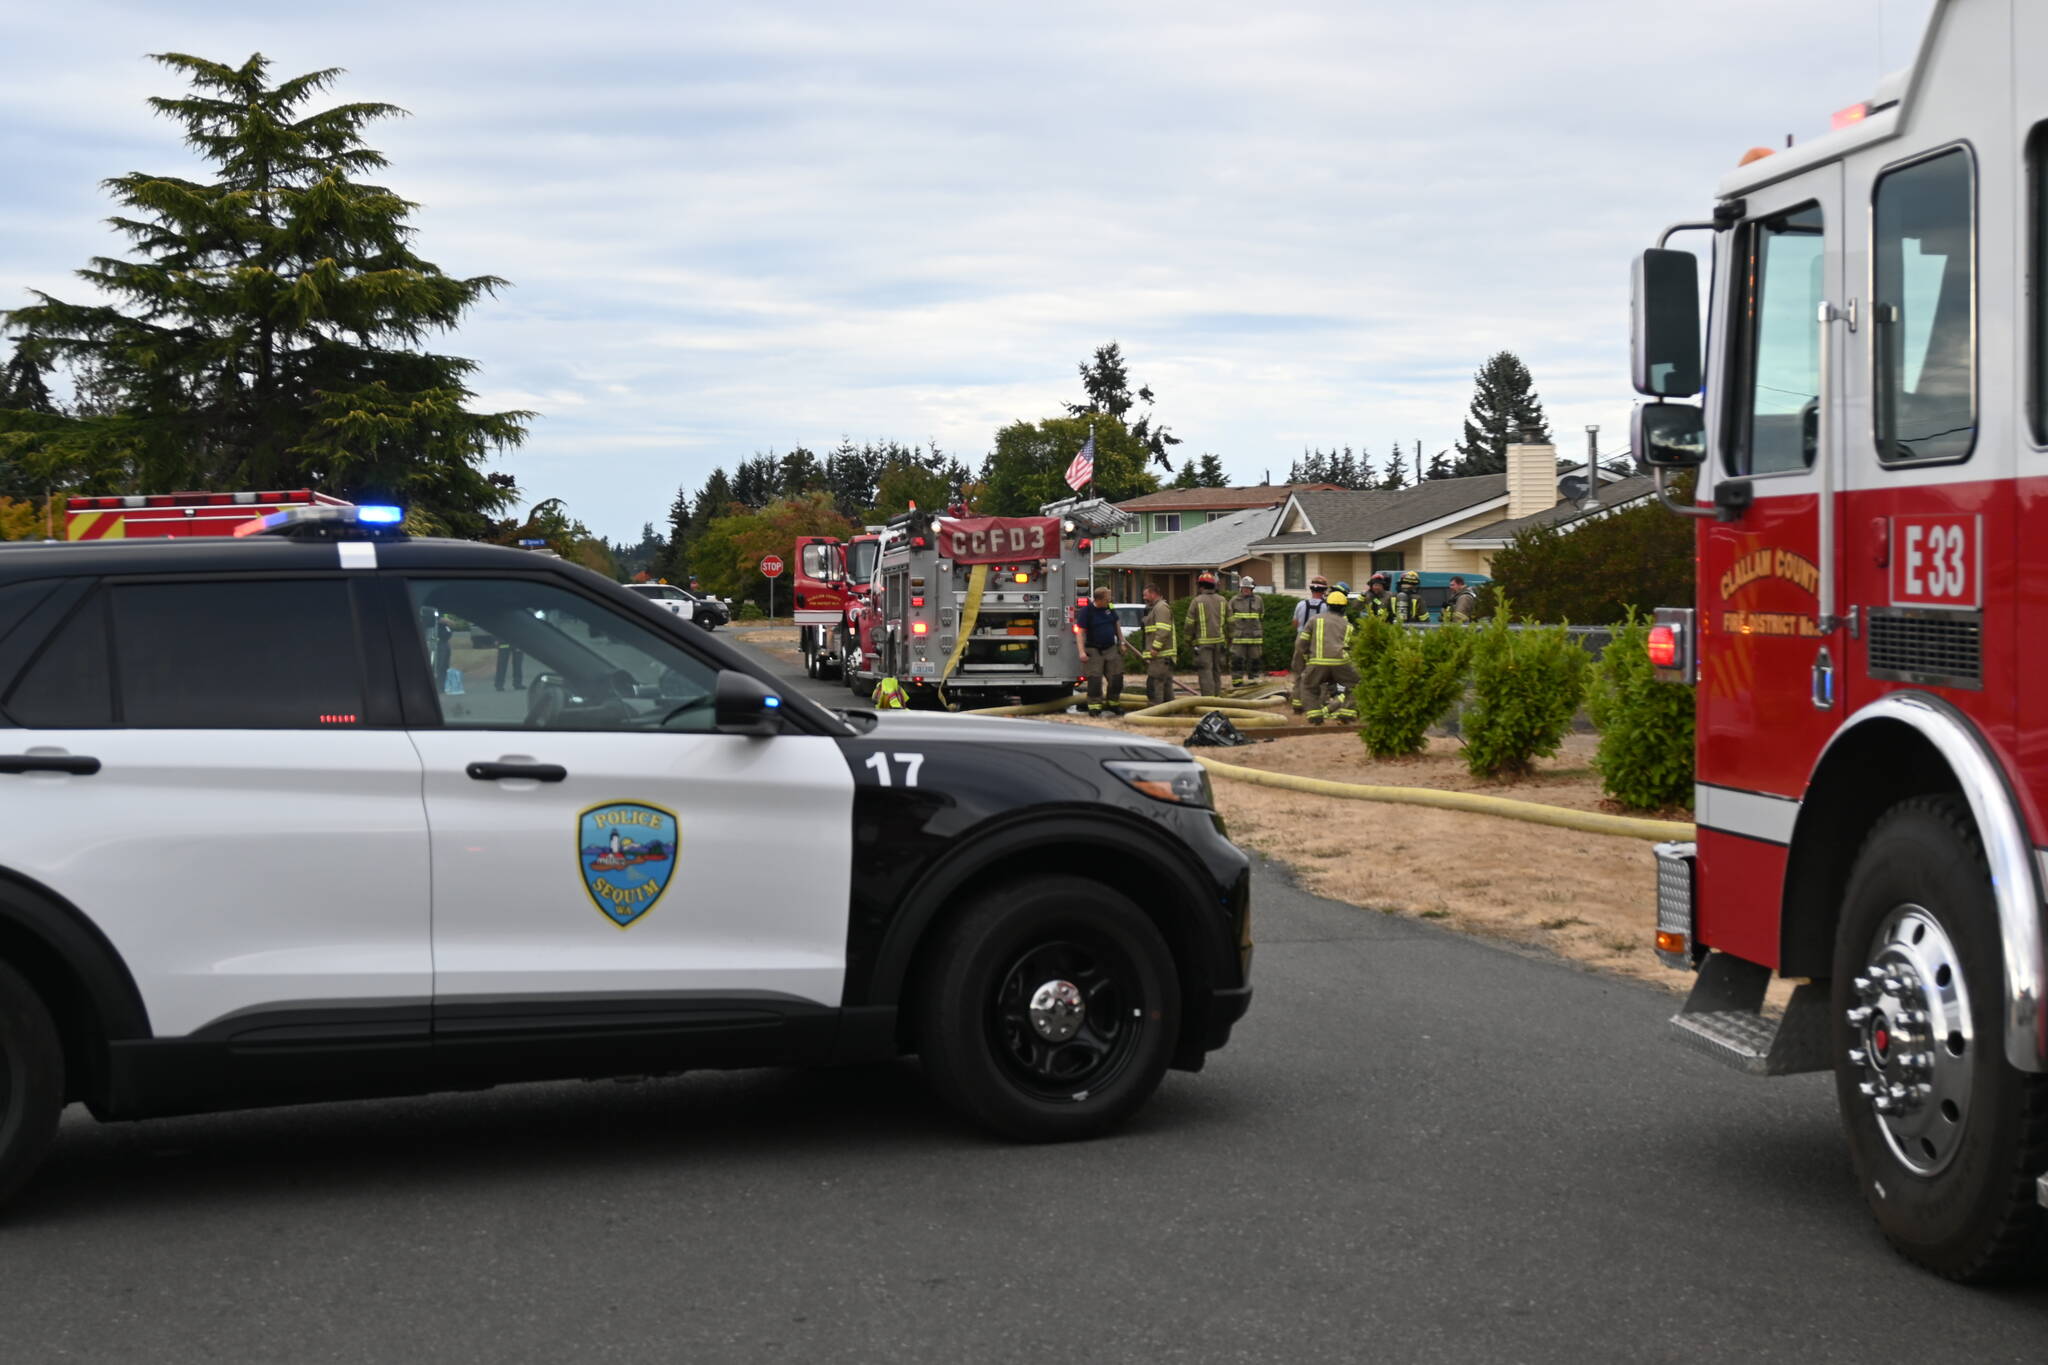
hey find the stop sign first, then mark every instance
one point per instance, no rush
(771, 566)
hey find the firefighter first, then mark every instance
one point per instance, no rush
(1207, 621)
(1329, 677)
(1408, 607)
(1462, 602)
(1247, 634)
(1378, 601)
(1304, 611)
(890, 696)
(1102, 647)
(1158, 647)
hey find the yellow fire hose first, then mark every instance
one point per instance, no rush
(1585, 821)
(970, 612)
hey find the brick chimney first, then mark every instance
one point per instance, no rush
(1532, 476)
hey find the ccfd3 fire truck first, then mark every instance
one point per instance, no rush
(965, 610)
(1871, 461)
(151, 515)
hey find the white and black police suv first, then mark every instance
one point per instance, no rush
(324, 812)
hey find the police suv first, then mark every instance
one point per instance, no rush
(275, 832)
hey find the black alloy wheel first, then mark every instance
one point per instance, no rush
(1049, 1010)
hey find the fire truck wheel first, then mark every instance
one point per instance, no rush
(31, 1080)
(1051, 1010)
(1946, 1137)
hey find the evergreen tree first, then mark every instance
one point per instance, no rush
(1188, 476)
(714, 500)
(756, 482)
(1108, 384)
(800, 473)
(1504, 405)
(269, 328)
(1366, 477)
(1397, 471)
(673, 561)
(1439, 465)
(1211, 474)
(22, 386)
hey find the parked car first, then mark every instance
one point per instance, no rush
(707, 612)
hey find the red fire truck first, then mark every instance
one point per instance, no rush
(1872, 799)
(179, 514)
(832, 577)
(969, 610)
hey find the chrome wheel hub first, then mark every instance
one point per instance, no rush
(1057, 1010)
(1913, 1039)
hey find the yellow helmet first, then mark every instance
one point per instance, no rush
(1411, 579)
(1335, 598)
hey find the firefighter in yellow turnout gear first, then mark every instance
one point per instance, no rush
(1329, 677)
(890, 696)
(1207, 615)
(1158, 646)
(1247, 635)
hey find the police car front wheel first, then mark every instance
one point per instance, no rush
(31, 1080)
(1051, 1010)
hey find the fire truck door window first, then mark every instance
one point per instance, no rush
(1777, 415)
(1921, 310)
(861, 561)
(820, 562)
(252, 654)
(508, 654)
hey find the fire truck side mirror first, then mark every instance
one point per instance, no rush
(1668, 435)
(1664, 324)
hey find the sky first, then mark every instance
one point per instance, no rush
(733, 228)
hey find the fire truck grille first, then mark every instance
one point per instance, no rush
(1942, 647)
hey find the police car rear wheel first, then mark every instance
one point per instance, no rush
(1945, 1135)
(31, 1080)
(1051, 1011)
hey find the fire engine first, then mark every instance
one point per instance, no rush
(136, 516)
(962, 609)
(1869, 447)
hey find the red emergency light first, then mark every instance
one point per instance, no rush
(1855, 113)
(1662, 646)
(920, 628)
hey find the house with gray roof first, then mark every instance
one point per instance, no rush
(1439, 525)
(1171, 562)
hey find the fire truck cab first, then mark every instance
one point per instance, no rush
(1869, 450)
(832, 578)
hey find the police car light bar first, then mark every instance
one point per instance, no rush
(370, 522)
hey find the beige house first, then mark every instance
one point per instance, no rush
(1438, 526)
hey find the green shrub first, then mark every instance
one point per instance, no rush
(1526, 686)
(1407, 680)
(750, 611)
(1646, 726)
(1640, 557)
(1277, 611)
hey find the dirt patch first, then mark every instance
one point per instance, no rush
(1587, 897)
(778, 642)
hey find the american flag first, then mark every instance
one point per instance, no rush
(1083, 467)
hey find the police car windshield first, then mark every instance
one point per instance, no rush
(508, 653)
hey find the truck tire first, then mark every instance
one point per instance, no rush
(1946, 1137)
(31, 1081)
(1050, 1011)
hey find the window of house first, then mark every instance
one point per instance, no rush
(1165, 522)
(1923, 310)
(1776, 396)
(1387, 561)
(243, 654)
(1294, 571)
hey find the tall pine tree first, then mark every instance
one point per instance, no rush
(269, 330)
(1504, 405)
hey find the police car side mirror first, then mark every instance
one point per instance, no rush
(1669, 435)
(1664, 324)
(741, 704)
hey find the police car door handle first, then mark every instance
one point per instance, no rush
(76, 764)
(532, 772)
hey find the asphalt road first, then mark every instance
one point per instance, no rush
(1419, 1147)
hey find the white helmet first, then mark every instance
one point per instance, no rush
(1246, 582)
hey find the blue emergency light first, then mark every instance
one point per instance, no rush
(771, 702)
(381, 515)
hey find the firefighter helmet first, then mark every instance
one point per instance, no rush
(1411, 579)
(1206, 580)
(1336, 598)
(1378, 578)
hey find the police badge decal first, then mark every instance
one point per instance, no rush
(627, 852)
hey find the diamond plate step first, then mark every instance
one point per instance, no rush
(1724, 1019)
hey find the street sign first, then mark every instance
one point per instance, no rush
(771, 566)
(533, 542)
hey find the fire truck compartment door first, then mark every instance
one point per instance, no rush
(593, 836)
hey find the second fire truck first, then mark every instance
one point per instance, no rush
(967, 611)
(1867, 641)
